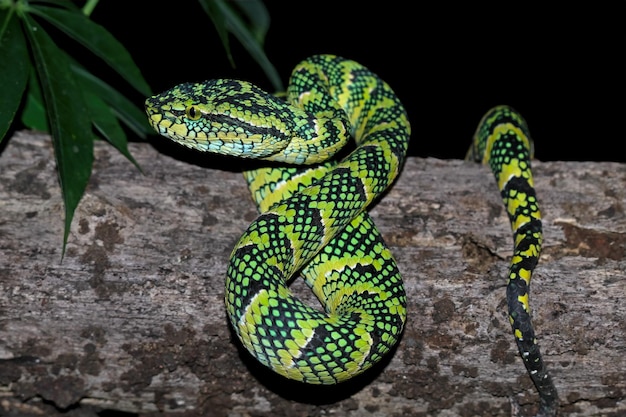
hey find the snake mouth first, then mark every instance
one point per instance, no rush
(254, 144)
(156, 118)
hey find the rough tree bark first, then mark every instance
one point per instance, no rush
(132, 318)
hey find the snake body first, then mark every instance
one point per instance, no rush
(313, 221)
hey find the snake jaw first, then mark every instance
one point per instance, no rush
(209, 130)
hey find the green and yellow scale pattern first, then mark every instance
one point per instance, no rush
(502, 141)
(313, 221)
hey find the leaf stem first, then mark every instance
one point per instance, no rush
(89, 7)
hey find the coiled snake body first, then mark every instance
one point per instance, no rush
(313, 220)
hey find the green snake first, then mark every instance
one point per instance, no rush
(313, 222)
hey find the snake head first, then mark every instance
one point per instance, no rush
(223, 116)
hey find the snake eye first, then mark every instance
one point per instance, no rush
(193, 113)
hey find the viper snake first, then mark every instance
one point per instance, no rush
(312, 196)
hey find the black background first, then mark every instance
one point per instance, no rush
(561, 67)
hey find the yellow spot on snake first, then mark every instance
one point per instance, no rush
(524, 300)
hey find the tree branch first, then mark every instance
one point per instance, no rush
(132, 319)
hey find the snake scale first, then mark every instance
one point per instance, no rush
(312, 199)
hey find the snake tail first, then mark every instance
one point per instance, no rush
(502, 140)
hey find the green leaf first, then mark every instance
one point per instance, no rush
(14, 69)
(98, 40)
(68, 116)
(34, 113)
(215, 13)
(257, 15)
(127, 112)
(219, 10)
(60, 3)
(107, 124)
(247, 39)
